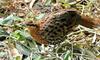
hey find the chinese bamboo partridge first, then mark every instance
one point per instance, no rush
(53, 29)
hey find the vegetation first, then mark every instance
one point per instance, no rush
(16, 43)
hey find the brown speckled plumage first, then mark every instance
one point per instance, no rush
(54, 29)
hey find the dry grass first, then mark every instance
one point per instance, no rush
(81, 44)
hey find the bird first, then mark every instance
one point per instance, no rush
(54, 28)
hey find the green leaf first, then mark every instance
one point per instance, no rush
(10, 19)
(38, 58)
(18, 58)
(2, 54)
(31, 42)
(20, 35)
(68, 55)
(23, 49)
(3, 32)
(16, 18)
(7, 20)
